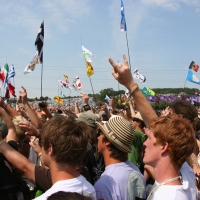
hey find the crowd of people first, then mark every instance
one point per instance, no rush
(86, 153)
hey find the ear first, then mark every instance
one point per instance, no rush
(107, 143)
(50, 150)
(164, 148)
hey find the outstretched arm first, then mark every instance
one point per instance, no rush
(32, 115)
(122, 74)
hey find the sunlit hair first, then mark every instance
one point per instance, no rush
(67, 137)
(178, 133)
(187, 110)
(115, 152)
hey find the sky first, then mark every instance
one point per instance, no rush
(163, 38)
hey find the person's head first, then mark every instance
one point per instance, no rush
(169, 136)
(63, 140)
(3, 129)
(68, 196)
(138, 122)
(90, 119)
(187, 110)
(115, 138)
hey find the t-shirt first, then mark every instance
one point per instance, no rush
(121, 181)
(79, 185)
(168, 192)
(188, 178)
(136, 155)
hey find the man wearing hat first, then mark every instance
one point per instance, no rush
(136, 155)
(121, 178)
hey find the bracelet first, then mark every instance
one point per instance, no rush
(131, 92)
(39, 154)
(133, 89)
(2, 141)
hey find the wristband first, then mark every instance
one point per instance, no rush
(39, 154)
(131, 91)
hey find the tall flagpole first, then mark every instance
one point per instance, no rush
(42, 62)
(124, 28)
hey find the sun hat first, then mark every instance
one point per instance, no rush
(119, 132)
(138, 116)
(89, 118)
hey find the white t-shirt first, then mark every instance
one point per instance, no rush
(188, 178)
(79, 185)
(168, 192)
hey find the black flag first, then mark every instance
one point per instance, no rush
(39, 43)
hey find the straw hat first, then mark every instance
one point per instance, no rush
(138, 116)
(119, 132)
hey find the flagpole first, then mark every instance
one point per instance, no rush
(92, 88)
(128, 50)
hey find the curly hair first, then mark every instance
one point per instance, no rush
(178, 133)
(67, 137)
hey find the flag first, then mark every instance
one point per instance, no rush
(66, 78)
(11, 89)
(145, 91)
(2, 77)
(139, 76)
(194, 66)
(78, 83)
(57, 99)
(11, 73)
(6, 70)
(31, 66)
(87, 54)
(74, 86)
(62, 94)
(64, 84)
(192, 78)
(39, 43)
(123, 20)
(151, 92)
(107, 98)
(90, 69)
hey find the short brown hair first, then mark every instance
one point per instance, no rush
(68, 138)
(178, 133)
(115, 152)
(188, 111)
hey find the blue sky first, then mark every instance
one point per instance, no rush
(163, 36)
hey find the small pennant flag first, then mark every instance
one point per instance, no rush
(87, 54)
(39, 43)
(107, 98)
(64, 84)
(123, 20)
(11, 73)
(139, 76)
(66, 78)
(78, 83)
(194, 66)
(57, 99)
(90, 69)
(31, 66)
(2, 77)
(11, 89)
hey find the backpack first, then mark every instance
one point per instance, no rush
(12, 185)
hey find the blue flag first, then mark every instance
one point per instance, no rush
(123, 21)
(11, 73)
(192, 78)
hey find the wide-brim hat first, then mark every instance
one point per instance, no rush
(119, 132)
(138, 116)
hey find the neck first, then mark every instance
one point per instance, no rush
(164, 173)
(60, 171)
(110, 161)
